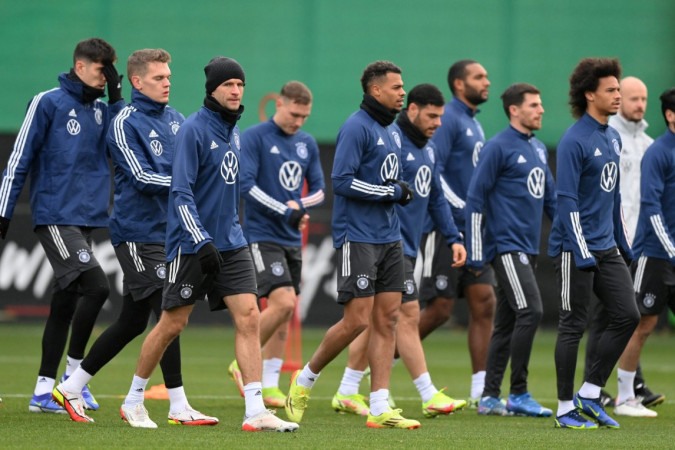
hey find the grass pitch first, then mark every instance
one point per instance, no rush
(207, 351)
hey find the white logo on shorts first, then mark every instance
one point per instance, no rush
(84, 256)
(409, 287)
(186, 291)
(649, 300)
(161, 271)
(441, 282)
(277, 268)
(523, 258)
(362, 283)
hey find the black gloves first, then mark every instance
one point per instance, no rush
(210, 259)
(114, 81)
(406, 193)
(4, 226)
(295, 217)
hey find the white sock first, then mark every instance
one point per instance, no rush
(270, 372)
(77, 380)
(253, 399)
(477, 384)
(71, 365)
(626, 380)
(379, 402)
(351, 380)
(177, 400)
(307, 378)
(425, 387)
(589, 390)
(44, 385)
(136, 391)
(564, 406)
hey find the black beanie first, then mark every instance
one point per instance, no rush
(219, 70)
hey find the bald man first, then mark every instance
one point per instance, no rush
(631, 125)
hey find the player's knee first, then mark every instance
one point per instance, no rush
(441, 309)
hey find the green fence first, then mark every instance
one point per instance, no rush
(326, 44)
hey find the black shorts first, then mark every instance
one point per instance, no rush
(68, 249)
(439, 278)
(185, 283)
(143, 266)
(654, 284)
(276, 266)
(410, 294)
(367, 269)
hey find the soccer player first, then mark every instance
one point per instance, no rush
(141, 142)
(631, 125)
(585, 235)
(206, 250)
(511, 188)
(366, 233)
(417, 124)
(459, 141)
(62, 146)
(277, 156)
(653, 274)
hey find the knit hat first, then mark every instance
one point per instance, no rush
(219, 70)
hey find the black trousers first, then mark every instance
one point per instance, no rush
(519, 311)
(611, 283)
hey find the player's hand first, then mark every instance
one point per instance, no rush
(458, 254)
(114, 82)
(295, 217)
(406, 193)
(303, 222)
(4, 226)
(209, 259)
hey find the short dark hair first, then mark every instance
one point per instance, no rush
(586, 78)
(296, 92)
(425, 94)
(94, 50)
(457, 71)
(667, 102)
(377, 70)
(515, 95)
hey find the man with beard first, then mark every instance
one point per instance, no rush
(511, 188)
(459, 141)
(206, 251)
(62, 146)
(367, 235)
